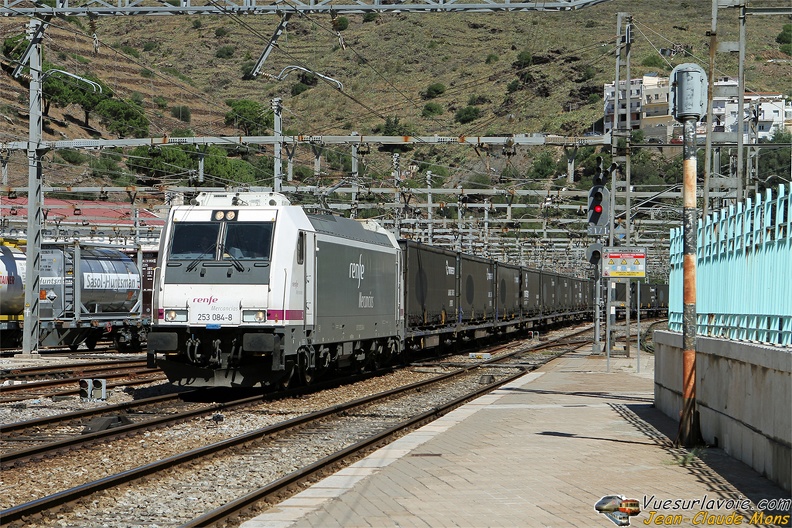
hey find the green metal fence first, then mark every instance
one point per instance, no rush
(743, 272)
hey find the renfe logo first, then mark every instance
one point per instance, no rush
(205, 300)
(356, 270)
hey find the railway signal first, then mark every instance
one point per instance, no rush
(594, 253)
(599, 176)
(93, 389)
(598, 210)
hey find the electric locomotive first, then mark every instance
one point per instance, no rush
(252, 291)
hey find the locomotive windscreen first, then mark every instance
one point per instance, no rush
(221, 240)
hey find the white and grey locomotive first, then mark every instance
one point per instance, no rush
(253, 291)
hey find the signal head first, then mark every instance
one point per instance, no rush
(598, 205)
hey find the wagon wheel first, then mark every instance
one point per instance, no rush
(92, 339)
(120, 346)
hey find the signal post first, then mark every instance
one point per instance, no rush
(598, 220)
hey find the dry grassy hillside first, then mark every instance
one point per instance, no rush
(385, 66)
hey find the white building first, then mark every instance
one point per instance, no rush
(765, 112)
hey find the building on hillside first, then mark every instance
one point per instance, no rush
(765, 112)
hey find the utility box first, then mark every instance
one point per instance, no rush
(687, 97)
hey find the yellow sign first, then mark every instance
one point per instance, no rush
(624, 262)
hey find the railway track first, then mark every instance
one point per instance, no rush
(363, 423)
(66, 370)
(50, 435)
(134, 373)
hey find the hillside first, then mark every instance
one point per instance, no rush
(386, 64)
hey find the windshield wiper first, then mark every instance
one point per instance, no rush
(191, 265)
(237, 264)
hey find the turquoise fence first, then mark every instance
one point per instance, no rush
(743, 272)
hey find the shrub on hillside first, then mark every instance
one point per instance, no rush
(225, 52)
(434, 90)
(467, 114)
(182, 113)
(431, 109)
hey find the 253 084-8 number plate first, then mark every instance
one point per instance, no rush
(209, 317)
(216, 314)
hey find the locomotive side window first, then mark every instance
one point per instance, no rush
(301, 248)
(192, 240)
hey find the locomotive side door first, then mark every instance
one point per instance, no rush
(307, 244)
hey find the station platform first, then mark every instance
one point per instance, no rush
(543, 451)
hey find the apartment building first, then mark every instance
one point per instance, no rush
(646, 101)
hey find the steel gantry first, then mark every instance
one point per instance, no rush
(248, 7)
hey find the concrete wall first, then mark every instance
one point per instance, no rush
(743, 396)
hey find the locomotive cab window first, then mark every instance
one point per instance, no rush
(194, 240)
(248, 240)
(221, 240)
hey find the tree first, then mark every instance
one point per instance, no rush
(182, 113)
(785, 37)
(55, 91)
(392, 127)
(249, 116)
(154, 165)
(87, 98)
(123, 118)
(524, 59)
(431, 109)
(13, 47)
(340, 23)
(544, 166)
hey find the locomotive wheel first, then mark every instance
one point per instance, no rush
(307, 374)
(288, 378)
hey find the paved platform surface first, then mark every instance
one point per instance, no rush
(541, 451)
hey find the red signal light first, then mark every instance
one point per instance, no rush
(598, 209)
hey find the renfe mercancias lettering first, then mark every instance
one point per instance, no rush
(356, 272)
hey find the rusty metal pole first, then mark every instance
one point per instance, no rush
(687, 99)
(688, 426)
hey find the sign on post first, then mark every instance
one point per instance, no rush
(629, 262)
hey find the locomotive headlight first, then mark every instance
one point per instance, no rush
(219, 215)
(254, 316)
(230, 215)
(175, 316)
